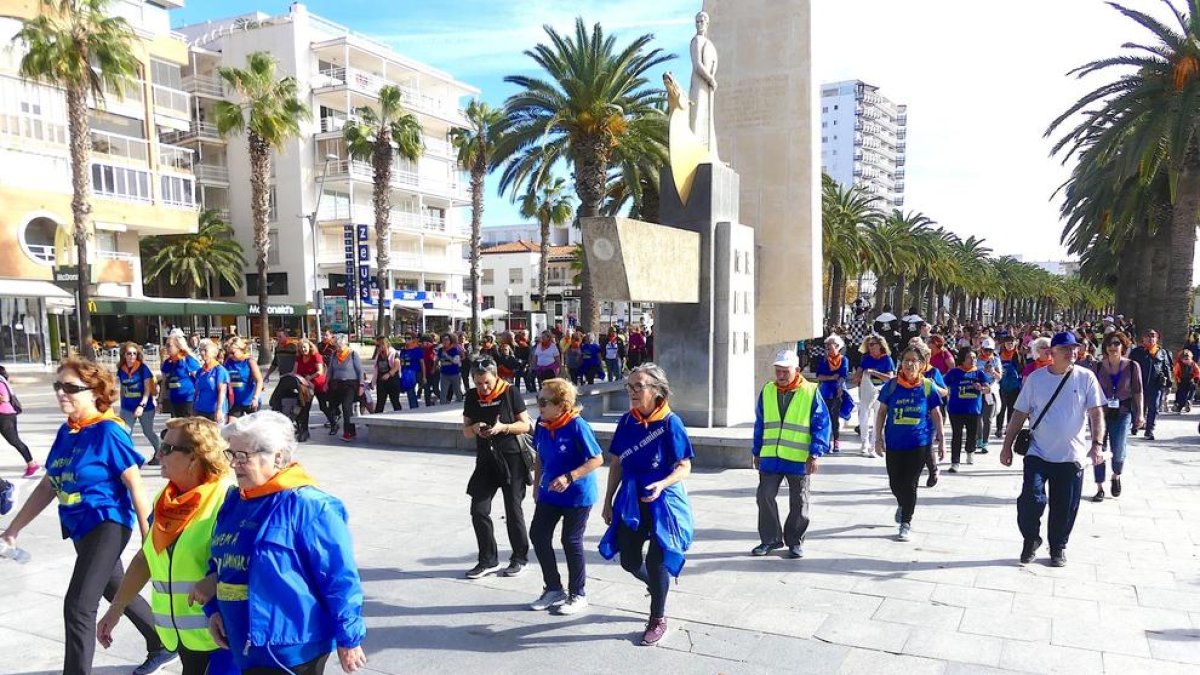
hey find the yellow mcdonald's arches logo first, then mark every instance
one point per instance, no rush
(92, 306)
(64, 246)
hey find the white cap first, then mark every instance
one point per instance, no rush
(787, 359)
(988, 343)
(1109, 319)
(175, 332)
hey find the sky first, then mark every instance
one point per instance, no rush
(982, 81)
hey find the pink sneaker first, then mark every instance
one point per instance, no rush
(32, 470)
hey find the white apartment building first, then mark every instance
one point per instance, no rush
(863, 140)
(338, 72)
(507, 234)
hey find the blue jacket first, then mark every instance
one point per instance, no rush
(304, 584)
(673, 525)
(820, 428)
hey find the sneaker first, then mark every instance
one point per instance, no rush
(1099, 496)
(656, 630)
(1058, 558)
(574, 605)
(857, 430)
(1116, 486)
(953, 469)
(1029, 550)
(155, 661)
(905, 532)
(899, 514)
(763, 549)
(514, 569)
(547, 600)
(933, 479)
(481, 570)
(32, 470)
(837, 447)
(1149, 435)
(7, 497)
(346, 438)
(982, 451)
(796, 551)
(333, 429)
(971, 457)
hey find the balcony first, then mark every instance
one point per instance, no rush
(331, 125)
(209, 87)
(175, 158)
(212, 174)
(125, 147)
(197, 131)
(440, 148)
(128, 99)
(172, 102)
(369, 84)
(357, 80)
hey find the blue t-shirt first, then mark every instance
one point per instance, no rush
(207, 382)
(883, 364)
(649, 453)
(412, 359)
(908, 425)
(241, 381)
(829, 389)
(85, 470)
(572, 445)
(965, 399)
(936, 375)
(179, 376)
(133, 387)
(447, 366)
(232, 548)
(590, 351)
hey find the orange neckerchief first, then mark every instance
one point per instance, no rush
(208, 365)
(967, 370)
(137, 365)
(576, 344)
(176, 357)
(903, 381)
(660, 413)
(1043, 362)
(174, 511)
(343, 355)
(76, 427)
(1153, 350)
(291, 476)
(791, 386)
(497, 391)
(522, 342)
(1007, 355)
(559, 422)
(834, 364)
(411, 344)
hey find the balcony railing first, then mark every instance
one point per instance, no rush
(196, 130)
(35, 128)
(175, 157)
(212, 173)
(114, 255)
(172, 101)
(129, 94)
(204, 86)
(115, 145)
(439, 147)
(356, 79)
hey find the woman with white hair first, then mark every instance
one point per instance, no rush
(345, 378)
(179, 377)
(832, 373)
(1039, 356)
(283, 587)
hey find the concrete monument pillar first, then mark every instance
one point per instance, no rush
(767, 124)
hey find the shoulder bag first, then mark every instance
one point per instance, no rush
(12, 396)
(1025, 436)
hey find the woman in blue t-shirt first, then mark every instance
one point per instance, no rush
(95, 475)
(179, 377)
(874, 369)
(567, 454)
(245, 378)
(137, 392)
(450, 360)
(909, 419)
(968, 385)
(832, 373)
(212, 385)
(645, 500)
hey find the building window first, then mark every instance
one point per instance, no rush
(825, 109)
(38, 240)
(835, 107)
(516, 303)
(272, 212)
(178, 191)
(277, 283)
(435, 286)
(166, 74)
(273, 247)
(516, 275)
(489, 301)
(121, 182)
(106, 241)
(489, 276)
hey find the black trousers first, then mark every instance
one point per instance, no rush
(180, 409)
(482, 488)
(1008, 399)
(193, 663)
(769, 529)
(345, 393)
(8, 429)
(960, 426)
(432, 388)
(904, 469)
(834, 405)
(387, 390)
(314, 667)
(649, 569)
(98, 572)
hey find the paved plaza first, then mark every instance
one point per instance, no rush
(953, 600)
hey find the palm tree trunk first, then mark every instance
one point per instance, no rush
(837, 298)
(381, 199)
(591, 168)
(544, 260)
(81, 207)
(478, 171)
(1177, 302)
(260, 172)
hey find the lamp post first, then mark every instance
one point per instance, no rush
(312, 223)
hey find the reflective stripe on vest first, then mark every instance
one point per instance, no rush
(787, 436)
(174, 574)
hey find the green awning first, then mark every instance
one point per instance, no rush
(165, 307)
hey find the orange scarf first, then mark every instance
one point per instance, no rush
(174, 511)
(967, 370)
(497, 391)
(343, 355)
(834, 364)
(907, 383)
(1153, 350)
(660, 413)
(137, 365)
(791, 386)
(1043, 362)
(559, 422)
(291, 476)
(1008, 355)
(77, 426)
(208, 365)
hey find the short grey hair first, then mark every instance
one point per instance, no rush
(837, 340)
(341, 340)
(262, 432)
(206, 343)
(658, 378)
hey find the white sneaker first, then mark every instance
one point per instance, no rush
(905, 530)
(549, 599)
(970, 459)
(574, 605)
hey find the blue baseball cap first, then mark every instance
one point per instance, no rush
(1064, 339)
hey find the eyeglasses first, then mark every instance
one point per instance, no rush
(637, 388)
(165, 448)
(70, 387)
(1114, 343)
(238, 456)
(131, 353)
(543, 402)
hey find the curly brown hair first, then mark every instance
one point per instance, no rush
(204, 438)
(98, 378)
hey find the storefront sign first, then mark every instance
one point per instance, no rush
(277, 310)
(66, 276)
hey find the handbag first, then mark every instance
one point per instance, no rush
(1025, 436)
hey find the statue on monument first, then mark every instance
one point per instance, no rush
(704, 85)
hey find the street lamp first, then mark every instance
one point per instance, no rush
(312, 223)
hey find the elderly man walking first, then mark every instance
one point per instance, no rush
(791, 430)
(1060, 398)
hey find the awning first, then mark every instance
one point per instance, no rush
(30, 288)
(165, 307)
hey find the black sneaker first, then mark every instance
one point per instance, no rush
(933, 478)
(1099, 497)
(981, 451)
(796, 551)
(1149, 435)
(1116, 486)
(481, 570)
(763, 549)
(1029, 551)
(514, 569)
(1058, 558)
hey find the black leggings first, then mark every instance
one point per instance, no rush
(98, 572)
(194, 663)
(1008, 399)
(904, 469)
(8, 429)
(344, 394)
(314, 667)
(835, 414)
(958, 425)
(652, 572)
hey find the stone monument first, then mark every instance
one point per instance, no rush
(704, 86)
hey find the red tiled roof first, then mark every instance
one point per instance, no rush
(521, 246)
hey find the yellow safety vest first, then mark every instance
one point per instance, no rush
(787, 437)
(173, 574)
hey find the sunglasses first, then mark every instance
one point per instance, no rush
(543, 402)
(165, 448)
(131, 353)
(481, 364)
(70, 387)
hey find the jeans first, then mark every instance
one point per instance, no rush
(1065, 481)
(541, 532)
(451, 384)
(147, 422)
(1117, 424)
(1184, 394)
(614, 369)
(1152, 397)
(1008, 399)
(958, 425)
(98, 572)
(482, 488)
(769, 529)
(904, 469)
(649, 569)
(411, 392)
(8, 429)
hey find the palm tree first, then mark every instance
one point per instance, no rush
(269, 113)
(551, 205)
(382, 138)
(477, 146)
(195, 260)
(81, 46)
(1146, 116)
(596, 111)
(844, 212)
